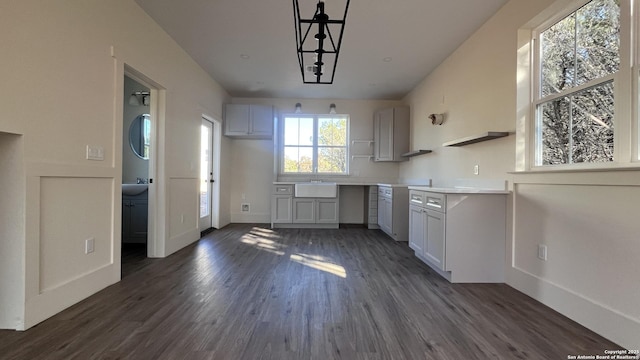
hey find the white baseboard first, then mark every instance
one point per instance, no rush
(250, 218)
(53, 301)
(609, 323)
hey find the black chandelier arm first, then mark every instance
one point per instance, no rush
(323, 32)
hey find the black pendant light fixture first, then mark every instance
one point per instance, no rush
(318, 41)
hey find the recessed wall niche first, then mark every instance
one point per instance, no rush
(12, 231)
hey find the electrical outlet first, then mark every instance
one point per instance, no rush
(182, 218)
(542, 252)
(243, 196)
(89, 245)
(476, 169)
(95, 152)
(245, 207)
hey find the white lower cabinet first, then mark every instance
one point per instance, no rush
(281, 202)
(417, 228)
(315, 211)
(435, 238)
(461, 236)
(288, 211)
(327, 211)
(427, 235)
(304, 211)
(281, 209)
(392, 211)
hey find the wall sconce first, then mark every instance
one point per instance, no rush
(436, 119)
(298, 108)
(145, 96)
(332, 109)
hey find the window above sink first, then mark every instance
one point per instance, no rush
(315, 144)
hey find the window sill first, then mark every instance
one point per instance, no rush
(553, 170)
(626, 175)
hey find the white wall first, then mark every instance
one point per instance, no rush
(62, 88)
(586, 219)
(253, 160)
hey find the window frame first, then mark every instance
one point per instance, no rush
(314, 146)
(626, 91)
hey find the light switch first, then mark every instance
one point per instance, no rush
(95, 152)
(89, 245)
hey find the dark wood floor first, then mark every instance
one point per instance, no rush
(134, 258)
(247, 292)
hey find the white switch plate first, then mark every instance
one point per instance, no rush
(476, 170)
(95, 152)
(542, 252)
(89, 245)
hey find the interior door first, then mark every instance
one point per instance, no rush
(206, 174)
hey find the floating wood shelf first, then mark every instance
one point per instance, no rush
(490, 135)
(415, 153)
(369, 157)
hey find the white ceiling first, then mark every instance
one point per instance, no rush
(416, 34)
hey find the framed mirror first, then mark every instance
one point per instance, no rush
(140, 136)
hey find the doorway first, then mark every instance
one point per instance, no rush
(12, 231)
(209, 170)
(141, 110)
(206, 175)
(136, 155)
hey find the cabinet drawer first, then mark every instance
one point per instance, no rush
(282, 189)
(417, 197)
(435, 201)
(385, 192)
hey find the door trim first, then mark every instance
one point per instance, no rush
(155, 230)
(215, 191)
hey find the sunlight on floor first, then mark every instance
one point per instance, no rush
(261, 243)
(319, 263)
(265, 233)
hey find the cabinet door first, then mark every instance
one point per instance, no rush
(434, 249)
(417, 219)
(126, 220)
(236, 119)
(304, 211)
(383, 135)
(326, 211)
(281, 210)
(261, 120)
(381, 209)
(139, 218)
(388, 217)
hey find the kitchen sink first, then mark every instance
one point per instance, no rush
(316, 189)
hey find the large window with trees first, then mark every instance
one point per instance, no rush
(577, 60)
(315, 144)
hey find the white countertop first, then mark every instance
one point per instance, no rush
(397, 185)
(346, 183)
(460, 190)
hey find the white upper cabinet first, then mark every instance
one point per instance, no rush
(248, 121)
(391, 134)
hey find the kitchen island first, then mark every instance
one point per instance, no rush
(460, 232)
